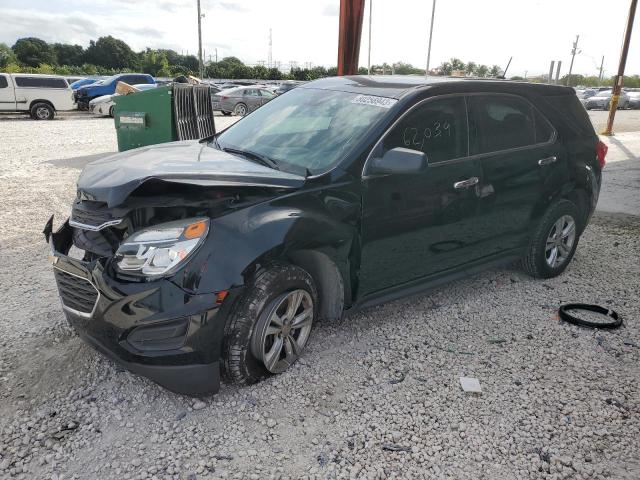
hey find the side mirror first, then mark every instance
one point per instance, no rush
(400, 161)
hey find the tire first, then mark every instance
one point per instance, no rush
(246, 321)
(240, 109)
(539, 261)
(226, 114)
(111, 111)
(42, 111)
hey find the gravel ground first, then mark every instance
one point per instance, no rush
(377, 395)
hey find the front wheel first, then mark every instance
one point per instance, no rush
(268, 328)
(554, 241)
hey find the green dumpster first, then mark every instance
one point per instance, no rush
(144, 118)
(163, 114)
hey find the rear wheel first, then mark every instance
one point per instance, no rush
(111, 111)
(554, 241)
(240, 109)
(268, 328)
(42, 111)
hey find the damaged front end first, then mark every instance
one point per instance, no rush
(153, 317)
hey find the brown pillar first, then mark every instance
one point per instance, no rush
(351, 16)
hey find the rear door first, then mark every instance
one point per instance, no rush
(252, 98)
(7, 95)
(521, 162)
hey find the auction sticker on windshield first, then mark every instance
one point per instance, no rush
(382, 102)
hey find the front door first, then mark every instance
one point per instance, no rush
(414, 226)
(521, 164)
(7, 95)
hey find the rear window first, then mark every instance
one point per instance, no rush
(41, 82)
(572, 111)
(3, 82)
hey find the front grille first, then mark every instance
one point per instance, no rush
(93, 214)
(77, 293)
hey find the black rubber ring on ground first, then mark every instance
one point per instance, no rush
(564, 315)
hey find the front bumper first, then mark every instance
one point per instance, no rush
(155, 329)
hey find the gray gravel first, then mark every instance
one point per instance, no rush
(377, 395)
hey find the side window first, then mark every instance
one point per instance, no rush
(501, 122)
(437, 127)
(41, 82)
(544, 130)
(267, 93)
(3, 82)
(252, 92)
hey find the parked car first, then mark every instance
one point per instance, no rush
(241, 100)
(104, 105)
(108, 87)
(286, 86)
(634, 100)
(216, 258)
(82, 82)
(602, 100)
(584, 94)
(39, 95)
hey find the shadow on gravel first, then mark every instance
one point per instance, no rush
(79, 162)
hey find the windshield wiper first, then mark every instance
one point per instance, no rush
(264, 160)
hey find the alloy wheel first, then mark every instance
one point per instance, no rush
(282, 330)
(560, 241)
(241, 110)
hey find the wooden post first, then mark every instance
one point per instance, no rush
(351, 17)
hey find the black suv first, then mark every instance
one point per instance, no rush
(203, 259)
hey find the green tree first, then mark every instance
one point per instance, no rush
(361, 71)
(111, 53)
(445, 69)
(401, 68)
(154, 62)
(470, 68)
(482, 71)
(67, 54)
(6, 55)
(89, 69)
(33, 51)
(495, 71)
(457, 64)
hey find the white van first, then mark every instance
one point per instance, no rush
(39, 95)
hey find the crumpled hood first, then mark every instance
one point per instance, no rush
(113, 178)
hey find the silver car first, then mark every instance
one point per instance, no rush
(241, 100)
(602, 100)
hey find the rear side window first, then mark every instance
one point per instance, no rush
(500, 123)
(438, 128)
(41, 82)
(3, 82)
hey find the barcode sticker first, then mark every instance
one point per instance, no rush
(382, 102)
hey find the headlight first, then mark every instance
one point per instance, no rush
(160, 249)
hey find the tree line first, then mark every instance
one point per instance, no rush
(109, 55)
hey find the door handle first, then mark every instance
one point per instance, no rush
(547, 161)
(469, 182)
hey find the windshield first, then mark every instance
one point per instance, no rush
(306, 129)
(604, 93)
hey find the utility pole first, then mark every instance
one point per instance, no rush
(216, 54)
(550, 80)
(619, 79)
(558, 72)
(270, 58)
(433, 14)
(574, 50)
(504, 74)
(369, 59)
(601, 65)
(200, 64)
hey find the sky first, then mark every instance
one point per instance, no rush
(534, 32)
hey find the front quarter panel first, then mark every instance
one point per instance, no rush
(322, 220)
